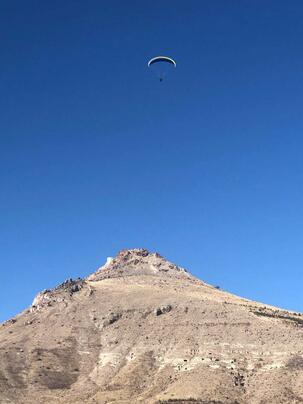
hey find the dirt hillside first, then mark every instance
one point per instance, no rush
(142, 330)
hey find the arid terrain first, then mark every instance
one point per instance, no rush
(142, 330)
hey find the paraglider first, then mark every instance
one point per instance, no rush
(162, 64)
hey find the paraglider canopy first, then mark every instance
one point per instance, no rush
(161, 59)
(161, 65)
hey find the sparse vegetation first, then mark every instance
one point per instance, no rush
(295, 363)
(278, 315)
(191, 400)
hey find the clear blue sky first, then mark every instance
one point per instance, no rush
(96, 155)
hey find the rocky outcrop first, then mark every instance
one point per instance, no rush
(138, 262)
(59, 294)
(162, 309)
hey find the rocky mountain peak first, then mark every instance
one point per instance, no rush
(135, 262)
(154, 334)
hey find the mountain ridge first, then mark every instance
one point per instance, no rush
(140, 329)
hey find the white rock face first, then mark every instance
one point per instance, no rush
(109, 260)
(41, 300)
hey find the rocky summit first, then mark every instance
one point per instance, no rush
(143, 330)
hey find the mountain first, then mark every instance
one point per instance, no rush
(143, 330)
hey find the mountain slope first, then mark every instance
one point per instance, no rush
(141, 329)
